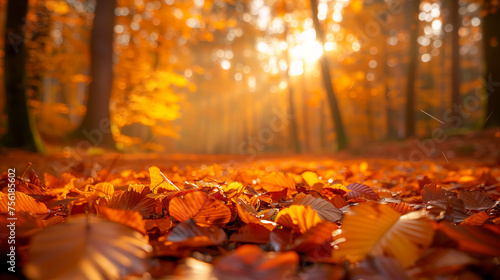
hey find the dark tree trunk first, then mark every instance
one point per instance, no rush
(455, 55)
(327, 80)
(21, 128)
(95, 126)
(491, 42)
(412, 71)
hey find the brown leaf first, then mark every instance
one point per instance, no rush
(189, 234)
(476, 200)
(361, 190)
(432, 192)
(325, 210)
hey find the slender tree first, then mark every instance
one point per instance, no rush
(412, 71)
(327, 81)
(455, 54)
(21, 128)
(491, 43)
(95, 126)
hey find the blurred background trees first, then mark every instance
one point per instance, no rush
(245, 76)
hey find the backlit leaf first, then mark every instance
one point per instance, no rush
(87, 247)
(298, 217)
(159, 182)
(197, 205)
(376, 229)
(23, 203)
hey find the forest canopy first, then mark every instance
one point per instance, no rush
(177, 71)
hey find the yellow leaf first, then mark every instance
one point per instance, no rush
(298, 218)
(159, 181)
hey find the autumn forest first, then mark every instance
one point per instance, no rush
(250, 139)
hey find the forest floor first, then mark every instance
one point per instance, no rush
(431, 208)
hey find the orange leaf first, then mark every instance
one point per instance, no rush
(197, 205)
(129, 218)
(402, 207)
(336, 189)
(316, 242)
(481, 240)
(251, 233)
(250, 262)
(249, 215)
(376, 229)
(23, 203)
(277, 181)
(159, 225)
(132, 200)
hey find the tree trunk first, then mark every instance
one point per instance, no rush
(95, 126)
(327, 80)
(455, 56)
(412, 71)
(389, 115)
(21, 128)
(491, 42)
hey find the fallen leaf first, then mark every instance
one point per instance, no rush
(390, 234)
(87, 247)
(197, 205)
(325, 210)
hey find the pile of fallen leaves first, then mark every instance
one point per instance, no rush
(265, 220)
